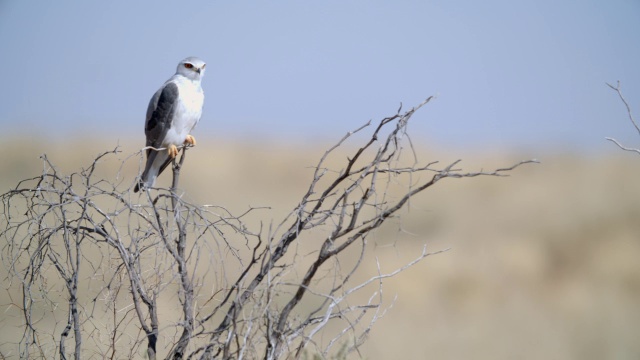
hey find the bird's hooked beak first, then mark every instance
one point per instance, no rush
(198, 70)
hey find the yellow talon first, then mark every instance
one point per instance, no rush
(190, 140)
(172, 150)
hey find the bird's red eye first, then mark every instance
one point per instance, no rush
(188, 66)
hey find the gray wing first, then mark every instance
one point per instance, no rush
(160, 112)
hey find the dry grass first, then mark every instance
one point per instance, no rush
(544, 263)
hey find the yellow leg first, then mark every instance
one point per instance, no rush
(190, 140)
(172, 150)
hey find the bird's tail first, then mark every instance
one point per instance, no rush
(157, 161)
(140, 185)
(146, 181)
(148, 177)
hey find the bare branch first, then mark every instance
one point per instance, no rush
(625, 148)
(153, 274)
(633, 122)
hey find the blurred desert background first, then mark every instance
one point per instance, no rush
(543, 263)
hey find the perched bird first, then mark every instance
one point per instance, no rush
(174, 110)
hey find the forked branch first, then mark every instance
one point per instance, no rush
(631, 119)
(155, 275)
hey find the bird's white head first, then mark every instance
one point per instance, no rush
(191, 68)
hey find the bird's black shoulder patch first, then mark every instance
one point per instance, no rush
(164, 107)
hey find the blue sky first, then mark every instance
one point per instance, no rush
(507, 74)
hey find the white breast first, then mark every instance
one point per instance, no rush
(189, 109)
